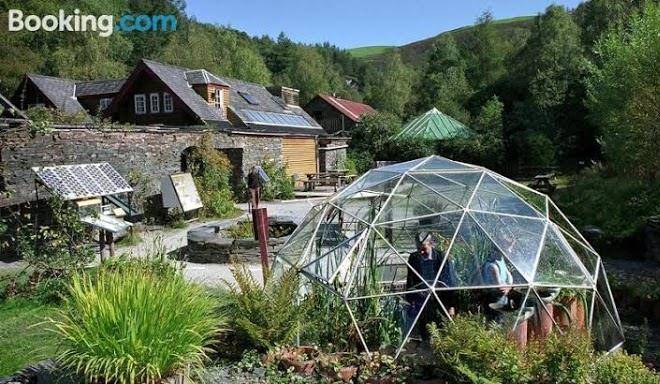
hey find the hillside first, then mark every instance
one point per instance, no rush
(413, 53)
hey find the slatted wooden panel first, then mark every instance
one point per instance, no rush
(299, 155)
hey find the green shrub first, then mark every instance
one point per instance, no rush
(241, 230)
(211, 170)
(621, 368)
(469, 351)
(128, 325)
(617, 205)
(58, 248)
(263, 316)
(560, 359)
(281, 185)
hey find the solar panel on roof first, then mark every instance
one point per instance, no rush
(274, 118)
(249, 98)
(82, 180)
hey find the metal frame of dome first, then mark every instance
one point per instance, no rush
(369, 225)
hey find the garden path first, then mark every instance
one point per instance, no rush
(170, 239)
(214, 274)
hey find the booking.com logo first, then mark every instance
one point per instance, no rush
(77, 22)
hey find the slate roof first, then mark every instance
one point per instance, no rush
(434, 125)
(180, 80)
(267, 102)
(202, 76)
(175, 78)
(98, 87)
(351, 109)
(61, 92)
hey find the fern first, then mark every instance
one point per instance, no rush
(265, 316)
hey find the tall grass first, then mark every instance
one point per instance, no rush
(135, 325)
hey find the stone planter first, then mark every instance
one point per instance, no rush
(211, 244)
(519, 334)
(572, 315)
(543, 321)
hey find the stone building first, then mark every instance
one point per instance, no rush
(166, 110)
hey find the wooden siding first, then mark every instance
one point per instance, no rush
(208, 94)
(328, 117)
(299, 155)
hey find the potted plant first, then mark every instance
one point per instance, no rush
(569, 308)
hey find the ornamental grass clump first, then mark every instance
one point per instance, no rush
(135, 325)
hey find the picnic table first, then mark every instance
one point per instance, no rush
(543, 183)
(335, 179)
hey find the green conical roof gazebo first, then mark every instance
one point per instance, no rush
(434, 125)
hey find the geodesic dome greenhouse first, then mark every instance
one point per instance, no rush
(360, 243)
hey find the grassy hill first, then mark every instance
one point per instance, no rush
(365, 52)
(415, 52)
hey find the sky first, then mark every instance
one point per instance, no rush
(356, 23)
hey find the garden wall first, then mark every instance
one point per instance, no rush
(154, 152)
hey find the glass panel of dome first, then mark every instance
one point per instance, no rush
(558, 265)
(475, 261)
(533, 198)
(518, 237)
(436, 163)
(491, 196)
(411, 198)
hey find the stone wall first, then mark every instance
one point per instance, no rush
(154, 152)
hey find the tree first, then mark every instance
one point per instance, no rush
(389, 87)
(220, 50)
(443, 83)
(550, 71)
(485, 52)
(310, 73)
(624, 95)
(489, 128)
(370, 139)
(596, 17)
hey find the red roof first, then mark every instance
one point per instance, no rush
(351, 109)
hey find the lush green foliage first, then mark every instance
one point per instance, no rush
(211, 170)
(388, 87)
(280, 186)
(617, 205)
(58, 247)
(621, 368)
(625, 95)
(562, 359)
(133, 324)
(263, 316)
(468, 350)
(371, 139)
(241, 230)
(24, 338)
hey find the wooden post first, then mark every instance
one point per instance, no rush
(261, 225)
(102, 243)
(110, 238)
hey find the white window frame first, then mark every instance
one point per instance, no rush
(104, 103)
(168, 103)
(140, 97)
(219, 98)
(154, 103)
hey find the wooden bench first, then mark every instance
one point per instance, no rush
(543, 183)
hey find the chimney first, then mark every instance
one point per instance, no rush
(290, 96)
